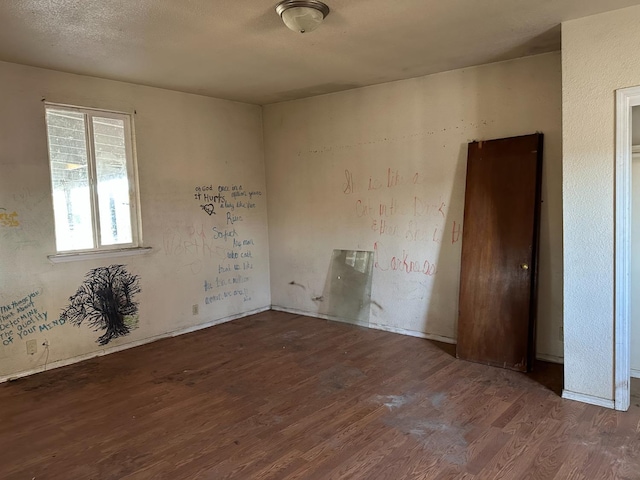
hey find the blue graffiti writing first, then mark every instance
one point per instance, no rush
(224, 234)
(21, 318)
(242, 293)
(231, 219)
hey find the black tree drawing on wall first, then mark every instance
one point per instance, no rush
(105, 301)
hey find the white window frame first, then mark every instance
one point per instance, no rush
(132, 177)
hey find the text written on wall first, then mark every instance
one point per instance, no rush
(399, 208)
(229, 205)
(21, 318)
(225, 198)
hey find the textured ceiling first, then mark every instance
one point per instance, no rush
(240, 50)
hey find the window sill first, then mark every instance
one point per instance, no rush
(80, 256)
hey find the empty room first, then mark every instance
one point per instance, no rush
(319, 240)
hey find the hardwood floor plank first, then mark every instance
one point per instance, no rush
(281, 396)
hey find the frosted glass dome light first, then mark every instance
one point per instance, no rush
(302, 15)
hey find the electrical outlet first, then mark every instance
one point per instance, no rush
(561, 334)
(195, 309)
(32, 347)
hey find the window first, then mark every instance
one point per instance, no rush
(92, 178)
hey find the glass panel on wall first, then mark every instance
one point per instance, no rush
(347, 292)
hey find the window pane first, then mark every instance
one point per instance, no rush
(113, 181)
(69, 179)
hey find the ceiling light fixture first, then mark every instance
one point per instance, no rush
(302, 15)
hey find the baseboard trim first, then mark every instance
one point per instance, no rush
(635, 373)
(403, 331)
(413, 333)
(550, 358)
(375, 326)
(322, 316)
(212, 323)
(126, 346)
(590, 399)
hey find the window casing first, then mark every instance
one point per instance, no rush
(93, 179)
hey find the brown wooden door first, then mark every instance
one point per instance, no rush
(499, 249)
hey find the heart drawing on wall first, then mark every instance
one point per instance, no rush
(209, 208)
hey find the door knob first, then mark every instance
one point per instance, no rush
(524, 266)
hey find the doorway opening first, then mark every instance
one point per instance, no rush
(626, 100)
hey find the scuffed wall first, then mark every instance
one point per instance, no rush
(382, 169)
(203, 204)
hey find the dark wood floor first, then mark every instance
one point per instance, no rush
(287, 397)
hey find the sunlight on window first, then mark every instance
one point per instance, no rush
(113, 183)
(91, 178)
(70, 180)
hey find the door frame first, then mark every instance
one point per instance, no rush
(626, 99)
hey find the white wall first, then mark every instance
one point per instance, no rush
(333, 162)
(183, 142)
(599, 55)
